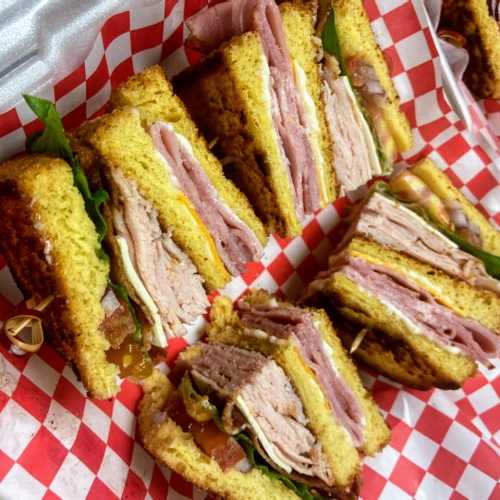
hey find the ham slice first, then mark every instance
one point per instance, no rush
(235, 242)
(166, 272)
(431, 319)
(391, 224)
(295, 323)
(235, 374)
(224, 20)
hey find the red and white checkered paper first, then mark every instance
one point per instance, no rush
(56, 443)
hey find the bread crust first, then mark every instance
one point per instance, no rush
(24, 251)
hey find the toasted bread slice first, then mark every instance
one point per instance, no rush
(51, 246)
(394, 358)
(177, 450)
(152, 94)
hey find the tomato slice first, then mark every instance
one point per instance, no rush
(219, 445)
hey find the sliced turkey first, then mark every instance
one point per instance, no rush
(391, 224)
(354, 161)
(165, 271)
(246, 379)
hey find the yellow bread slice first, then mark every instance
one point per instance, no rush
(122, 143)
(51, 246)
(393, 358)
(152, 94)
(177, 450)
(471, 19)
(464, 299)
(442, 186)
(299, 20)
(449, 369)
(225, 326)
(228, 96)
(357, 41)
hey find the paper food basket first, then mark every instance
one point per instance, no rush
(56, 443)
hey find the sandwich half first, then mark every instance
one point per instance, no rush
(363, 68)
(153, 144)
(271, 132)
(51, 247)
(308, 436)
(304, 344)
(420, 307)
(335, 136)
(475, 25)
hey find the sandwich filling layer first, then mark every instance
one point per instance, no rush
(163, 278)
(417, 308)
(354, 149)
(118, 323)
(391, 224)
(283, 323)
(235, 242)
(243, 380)
(364, 80)
(292, 123)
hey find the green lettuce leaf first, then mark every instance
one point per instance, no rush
(52, 140)
(330, 39)
(122, 293)
(491, 262)
(256, 460)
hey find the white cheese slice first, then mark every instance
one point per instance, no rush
(330, 356)
(365, 128)
(159, 338)
(266, 444)
(312, 125)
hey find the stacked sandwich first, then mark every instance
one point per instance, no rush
(416, 276)
(174, 229)
(130, 222)
(269, 406)
(475, 26)
(297, 118)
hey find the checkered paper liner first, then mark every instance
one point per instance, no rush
(56, 443)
